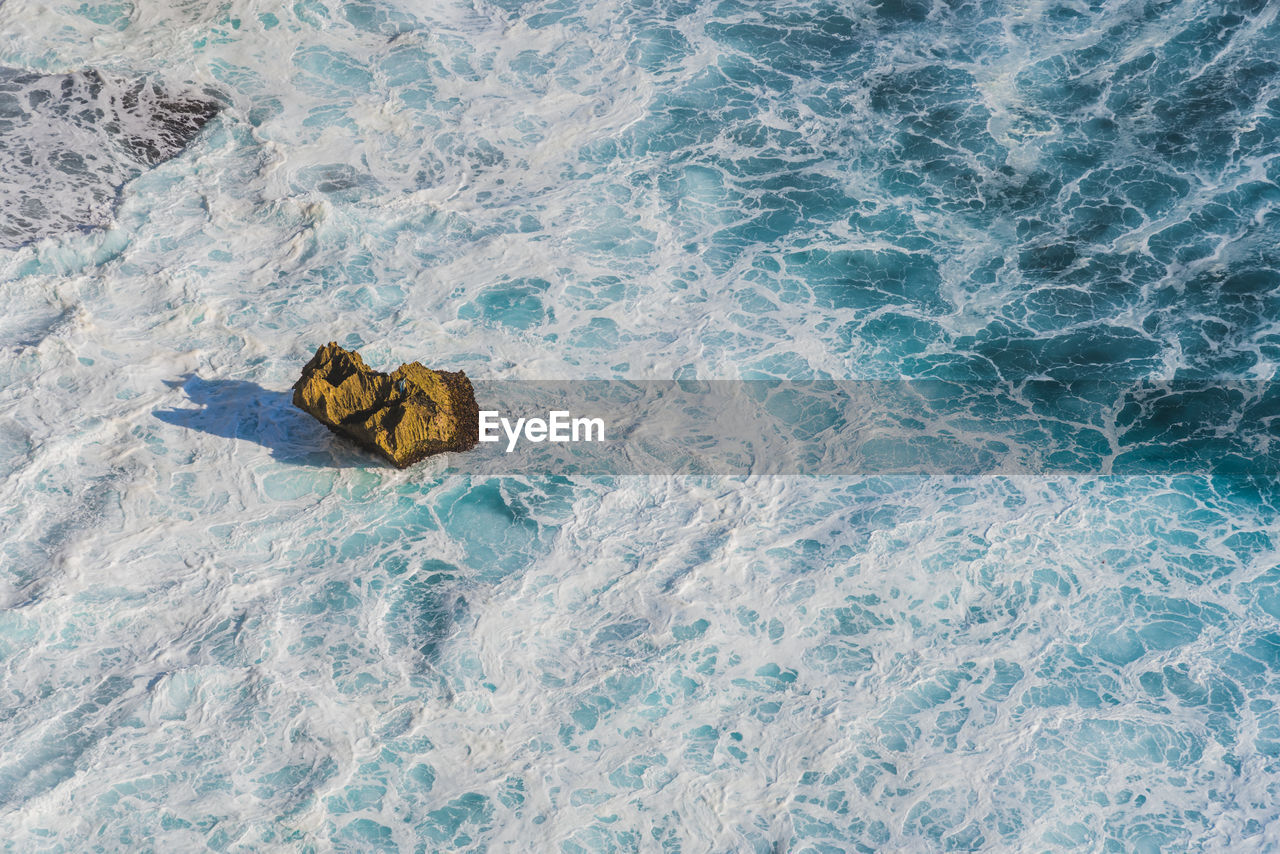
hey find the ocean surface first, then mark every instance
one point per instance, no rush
(223, 629)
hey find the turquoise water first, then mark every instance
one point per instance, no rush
(223, 629)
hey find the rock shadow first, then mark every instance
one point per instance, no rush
(239, 409)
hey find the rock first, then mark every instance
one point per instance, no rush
(406, 415)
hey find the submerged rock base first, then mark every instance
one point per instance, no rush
(404, 416)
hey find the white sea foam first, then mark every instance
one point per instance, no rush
(221, 627)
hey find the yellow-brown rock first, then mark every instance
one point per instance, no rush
(406, 415)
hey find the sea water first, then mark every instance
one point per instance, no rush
(222, 628)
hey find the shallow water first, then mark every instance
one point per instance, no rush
(223, 628)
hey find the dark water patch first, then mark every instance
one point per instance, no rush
(69, 143)
(1098, 350)
(869, 279)
(339, 181)
(426, 609)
